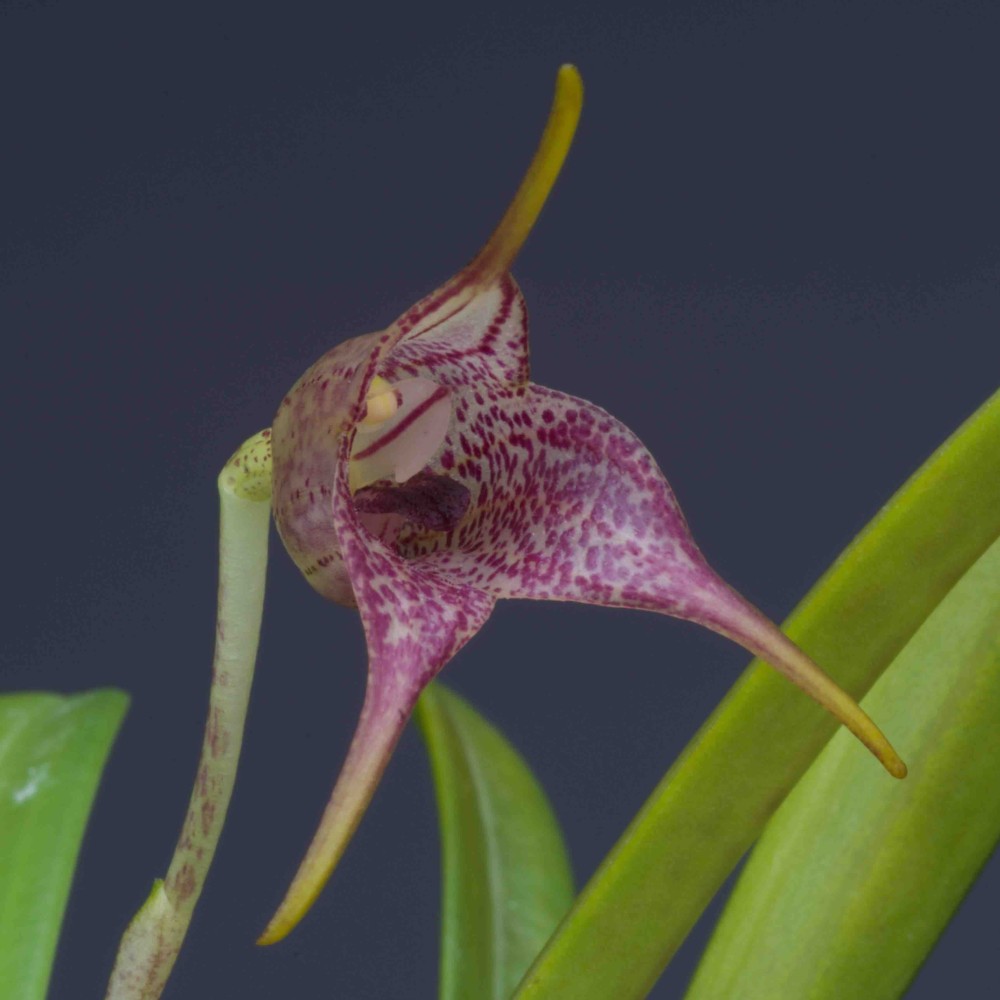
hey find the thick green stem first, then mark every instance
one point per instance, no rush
(153, 939)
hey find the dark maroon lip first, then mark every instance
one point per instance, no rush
(428, 500)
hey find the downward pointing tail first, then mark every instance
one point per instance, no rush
(383, 718)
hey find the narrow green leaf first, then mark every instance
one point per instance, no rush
(52, 752)
(713, 803)
(852, 883)
(507, 880)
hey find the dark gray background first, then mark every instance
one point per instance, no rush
(774, 253)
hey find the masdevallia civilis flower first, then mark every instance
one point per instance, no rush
(417, 474)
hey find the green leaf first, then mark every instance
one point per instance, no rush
(52, 751)
(852, 883)
(507, 880)
(713, 803)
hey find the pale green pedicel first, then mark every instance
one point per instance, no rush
(506, 876)
(713, 803)
(818, 912)
(153, 939)
(52, 751)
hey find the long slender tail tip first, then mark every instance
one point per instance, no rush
(893, 763)
(861, 725)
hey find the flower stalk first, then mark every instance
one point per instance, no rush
(153, 939)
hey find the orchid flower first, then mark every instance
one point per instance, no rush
(417, 474)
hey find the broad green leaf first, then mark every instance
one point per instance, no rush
(507, 880)
(852, 883)
(714, 801)
(52, 751)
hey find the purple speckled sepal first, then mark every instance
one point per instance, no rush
(479, 485)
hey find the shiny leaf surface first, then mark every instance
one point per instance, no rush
(52, 752)
(506, 876)
(851, 884)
